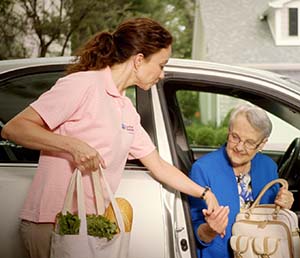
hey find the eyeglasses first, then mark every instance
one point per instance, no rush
(248, 144)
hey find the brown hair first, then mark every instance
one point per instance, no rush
(139, 35)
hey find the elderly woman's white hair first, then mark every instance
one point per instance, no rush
(256, 116)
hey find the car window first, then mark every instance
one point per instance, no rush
(18, 92)
(206, 116)
(131, 94)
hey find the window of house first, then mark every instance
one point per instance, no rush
(293, 21)
(283, 20)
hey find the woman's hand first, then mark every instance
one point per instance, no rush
(86, 158)
(284, 198)
(216, 222)
(211, 201)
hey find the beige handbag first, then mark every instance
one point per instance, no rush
(266, 231)
(83, 245)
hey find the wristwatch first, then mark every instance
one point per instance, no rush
(204, 192)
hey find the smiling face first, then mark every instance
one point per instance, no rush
(242, 136)
(149, 71)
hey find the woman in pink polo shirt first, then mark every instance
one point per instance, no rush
(85, 121)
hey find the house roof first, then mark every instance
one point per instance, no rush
(234, 33)
(279, 3)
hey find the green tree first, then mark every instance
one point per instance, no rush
(63, 24)
(11, 32)
(176, 15)
(179, 19)
(55, 22)
(102, 16)
(189, 105)
(47, 20)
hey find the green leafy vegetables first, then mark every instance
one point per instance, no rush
(97, 225)
(68, 224)
(100, 226)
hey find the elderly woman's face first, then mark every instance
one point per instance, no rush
(243, 141)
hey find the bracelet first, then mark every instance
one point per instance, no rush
(204, 192)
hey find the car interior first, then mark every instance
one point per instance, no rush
(186, 153)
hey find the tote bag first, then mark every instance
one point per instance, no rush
(84, 245)
(266, 230)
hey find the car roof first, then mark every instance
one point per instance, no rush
(287, 82)
(13, 64)
(283, 80)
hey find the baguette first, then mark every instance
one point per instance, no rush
(126, 211)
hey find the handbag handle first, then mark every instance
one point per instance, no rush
(281, 181)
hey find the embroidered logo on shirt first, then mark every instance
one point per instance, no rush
(128, 128)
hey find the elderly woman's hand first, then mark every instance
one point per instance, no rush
(284, 198)
(217, 221)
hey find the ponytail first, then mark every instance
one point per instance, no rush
(139, 35)
(97, 53)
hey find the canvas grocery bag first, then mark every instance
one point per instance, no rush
(83, 245)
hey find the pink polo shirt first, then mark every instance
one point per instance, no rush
(87, 106)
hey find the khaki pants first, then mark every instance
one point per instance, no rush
(36, 238)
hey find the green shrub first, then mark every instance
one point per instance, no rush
(191, 132)
(205, 136)
(225, 122)
(221, 136)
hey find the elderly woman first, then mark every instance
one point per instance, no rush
(236, 173)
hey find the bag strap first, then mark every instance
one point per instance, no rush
(100, 206)
(76, 180)
(281, 181)
(97, 188)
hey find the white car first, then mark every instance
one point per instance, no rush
(193, 96)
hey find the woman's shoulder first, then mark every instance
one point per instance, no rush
(82, 81)
(213, 155)
(84, 75)
(261, 159)
(214, 158)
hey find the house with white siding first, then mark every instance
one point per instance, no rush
(263, 34)
(283, 21)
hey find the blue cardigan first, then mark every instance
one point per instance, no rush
(214, 170)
